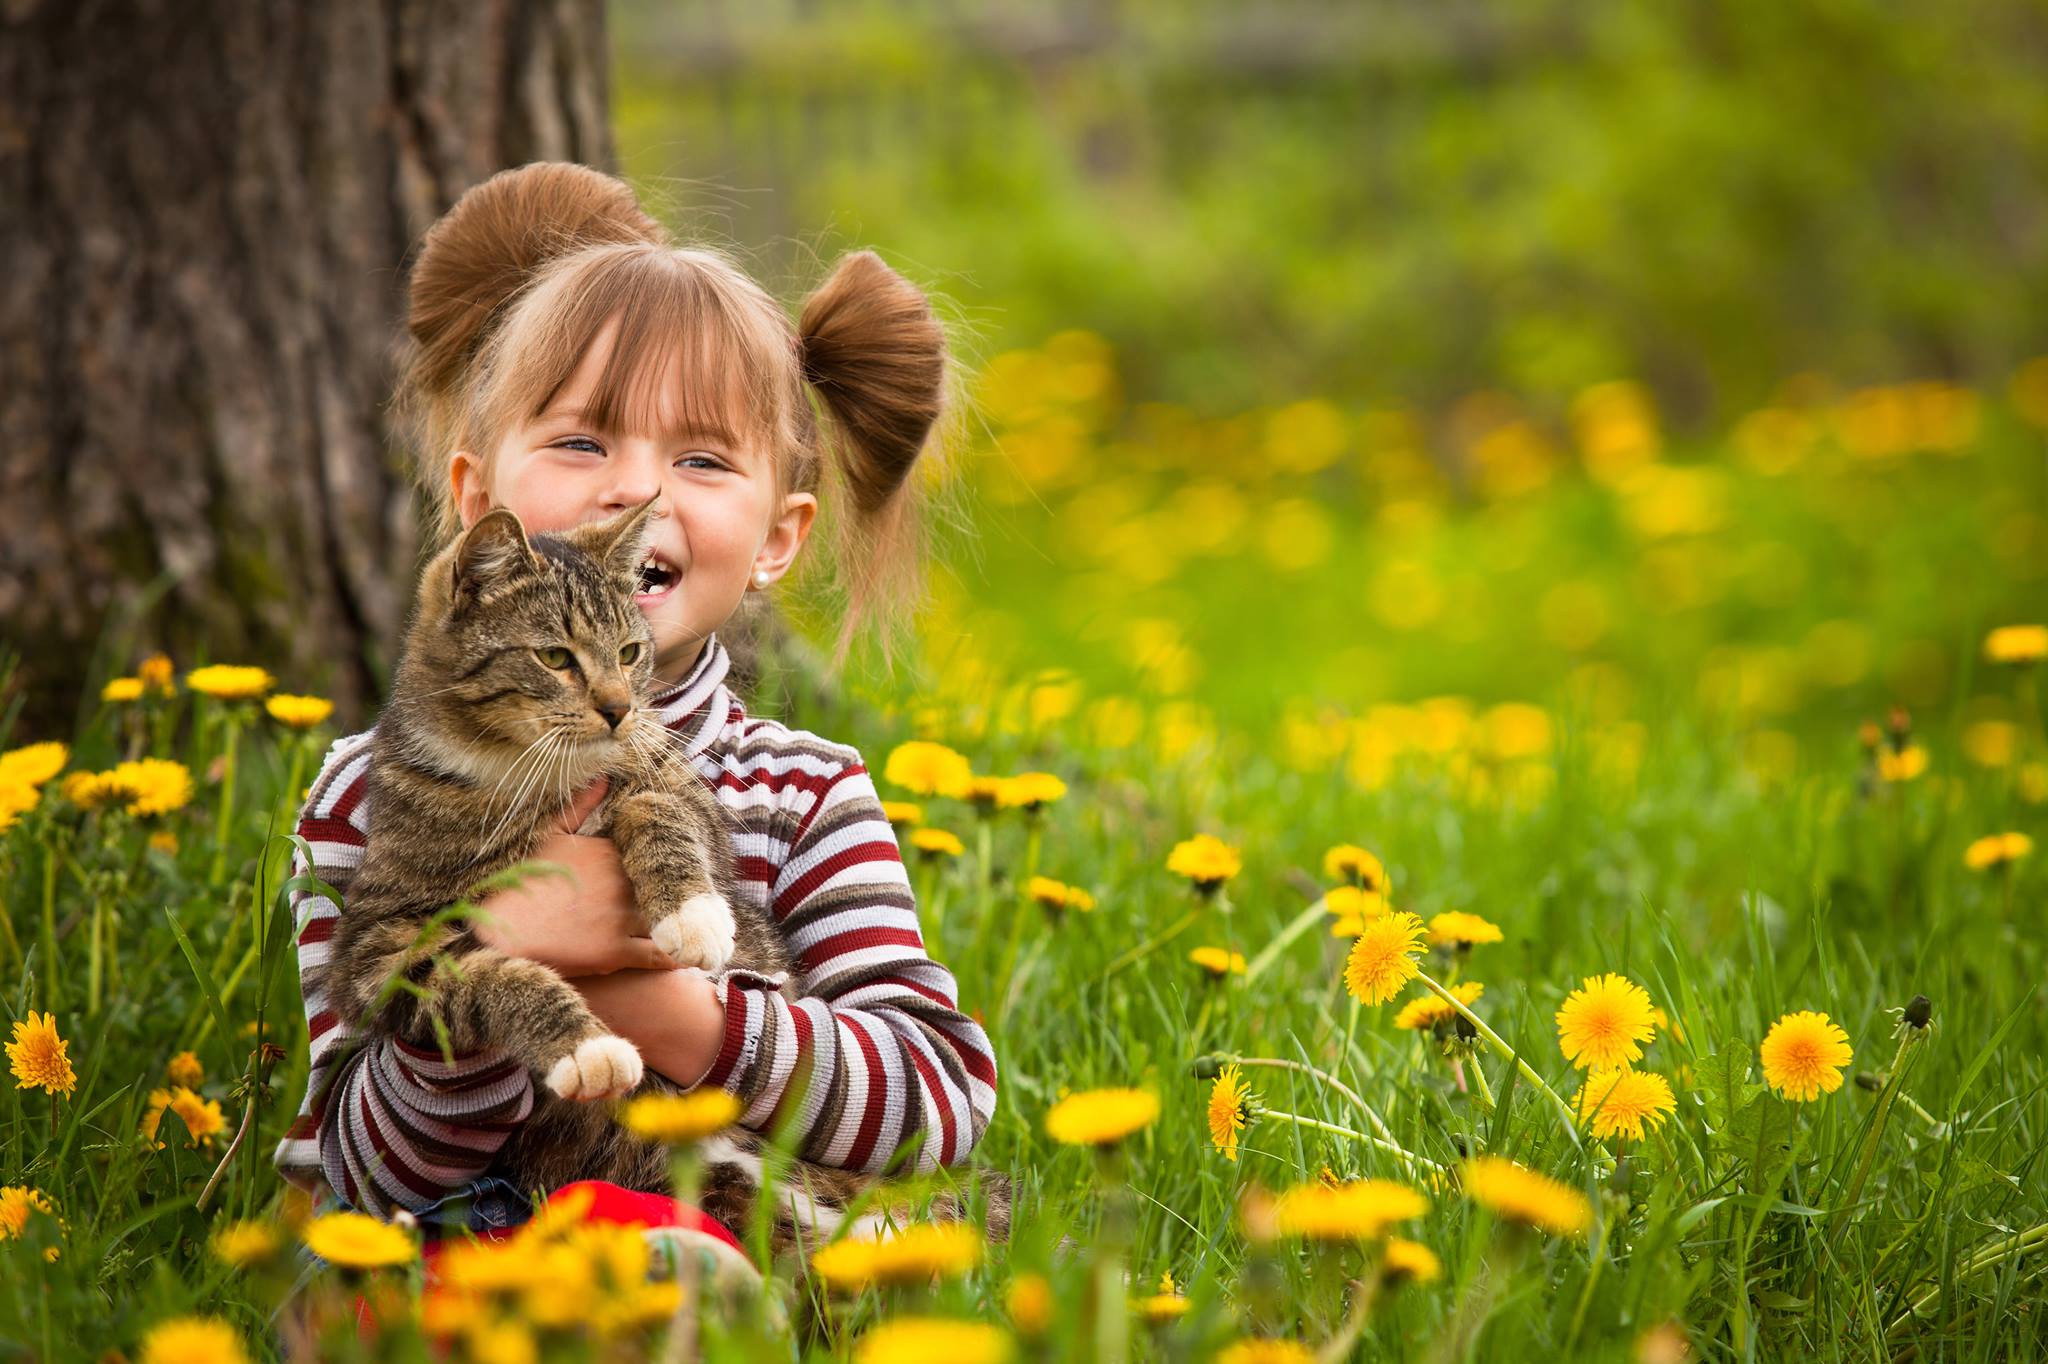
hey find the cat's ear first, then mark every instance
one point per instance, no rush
(620, 543)
(493, 551)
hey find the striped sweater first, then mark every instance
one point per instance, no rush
(878, 1029)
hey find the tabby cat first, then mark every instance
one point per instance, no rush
(524, 677)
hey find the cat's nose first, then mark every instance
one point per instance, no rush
(613, 712)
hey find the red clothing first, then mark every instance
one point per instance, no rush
(388, 1126)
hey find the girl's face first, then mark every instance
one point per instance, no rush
(717, 522)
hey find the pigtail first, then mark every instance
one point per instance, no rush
(875, 354)
(472, 262)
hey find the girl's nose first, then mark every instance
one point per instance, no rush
(633, 481)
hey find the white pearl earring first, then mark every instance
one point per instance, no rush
(761, 580)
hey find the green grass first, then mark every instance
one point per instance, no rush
(1731, 900)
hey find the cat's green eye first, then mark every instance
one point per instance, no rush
(556, 657)
(629, 654)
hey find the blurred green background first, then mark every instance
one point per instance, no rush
(1608, 358)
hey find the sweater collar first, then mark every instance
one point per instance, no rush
(690, 706)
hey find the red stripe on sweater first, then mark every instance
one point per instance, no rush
(871, 1116)
(853, 939)
(931, 1079)
(801, 889)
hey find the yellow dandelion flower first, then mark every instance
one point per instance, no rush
(164, 841)
(936, 843)
(1030, 791)
(17, 798)
(298, 712)
(1350, 926)
(122, 689)
(1217, 961)
(479, 1269)
(90, 790)
(1603, 1022)
(39, 1058)
(202, 1117)
(243, 1244)
(157, 671)
(153, 786)
(1902, 765)
(1349, 902)
(1519, 1194)
(185, 1070)
(1259, 1350)
(1101, 1117)
(1426, 1011)
(34, 764)
(226, 682)
(17, 1203)
(904, 812)
(503, 1342)
(1357, 1210)
(1163, 1306)
(192, 1340)
(1382, 959)
(927, 769)
(1459, 929)
(2017, 644)
(1997, 850)
(678, 1119)
(916, 1254)
(1057, 895)
(1232, 1106)
(1624, 1102)
(1406, 1261)
(356, 1240)
(1352, 864)
(1804, 1055)
(984, 792)
(915, 1340)
(1205, 860)
(1029, 1303)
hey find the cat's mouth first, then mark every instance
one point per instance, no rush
(658, 578)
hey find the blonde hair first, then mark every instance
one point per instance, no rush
(515, 283)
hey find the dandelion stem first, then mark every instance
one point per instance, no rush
(1493, 1039)
(2012, 1248)
(227, 798)
(1479, 1083)
(1392, 1148)
(1357, 1099)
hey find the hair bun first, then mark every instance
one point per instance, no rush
(483, 251)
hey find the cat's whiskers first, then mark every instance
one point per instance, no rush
(544, 764)
(536, 751)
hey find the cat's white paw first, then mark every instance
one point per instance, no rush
(602, 1067)
(701, 933)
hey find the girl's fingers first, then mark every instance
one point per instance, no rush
(645, 956)
(588, 799)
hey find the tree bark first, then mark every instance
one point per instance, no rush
(205, 210)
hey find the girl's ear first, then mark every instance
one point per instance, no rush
(492, 552)
(466, 485)
(786, 534)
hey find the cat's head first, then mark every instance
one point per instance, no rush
(532, 645)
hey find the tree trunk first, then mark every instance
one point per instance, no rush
(205, 207)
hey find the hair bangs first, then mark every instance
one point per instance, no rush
(687, 358)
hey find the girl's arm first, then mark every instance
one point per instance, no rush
(385, 1125)
(878, 1047)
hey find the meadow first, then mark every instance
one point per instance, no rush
(1504, 878)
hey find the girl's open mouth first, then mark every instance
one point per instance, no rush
(658, 578)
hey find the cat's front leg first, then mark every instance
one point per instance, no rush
(665, 845)
(482, 999)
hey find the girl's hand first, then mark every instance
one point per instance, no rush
(584, 926)
(673, 1017)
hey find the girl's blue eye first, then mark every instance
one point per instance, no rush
(578, 442)
(701, 459)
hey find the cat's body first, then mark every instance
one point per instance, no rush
(522, 680)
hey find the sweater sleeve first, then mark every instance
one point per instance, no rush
(884, 1052)
(385, 1125)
